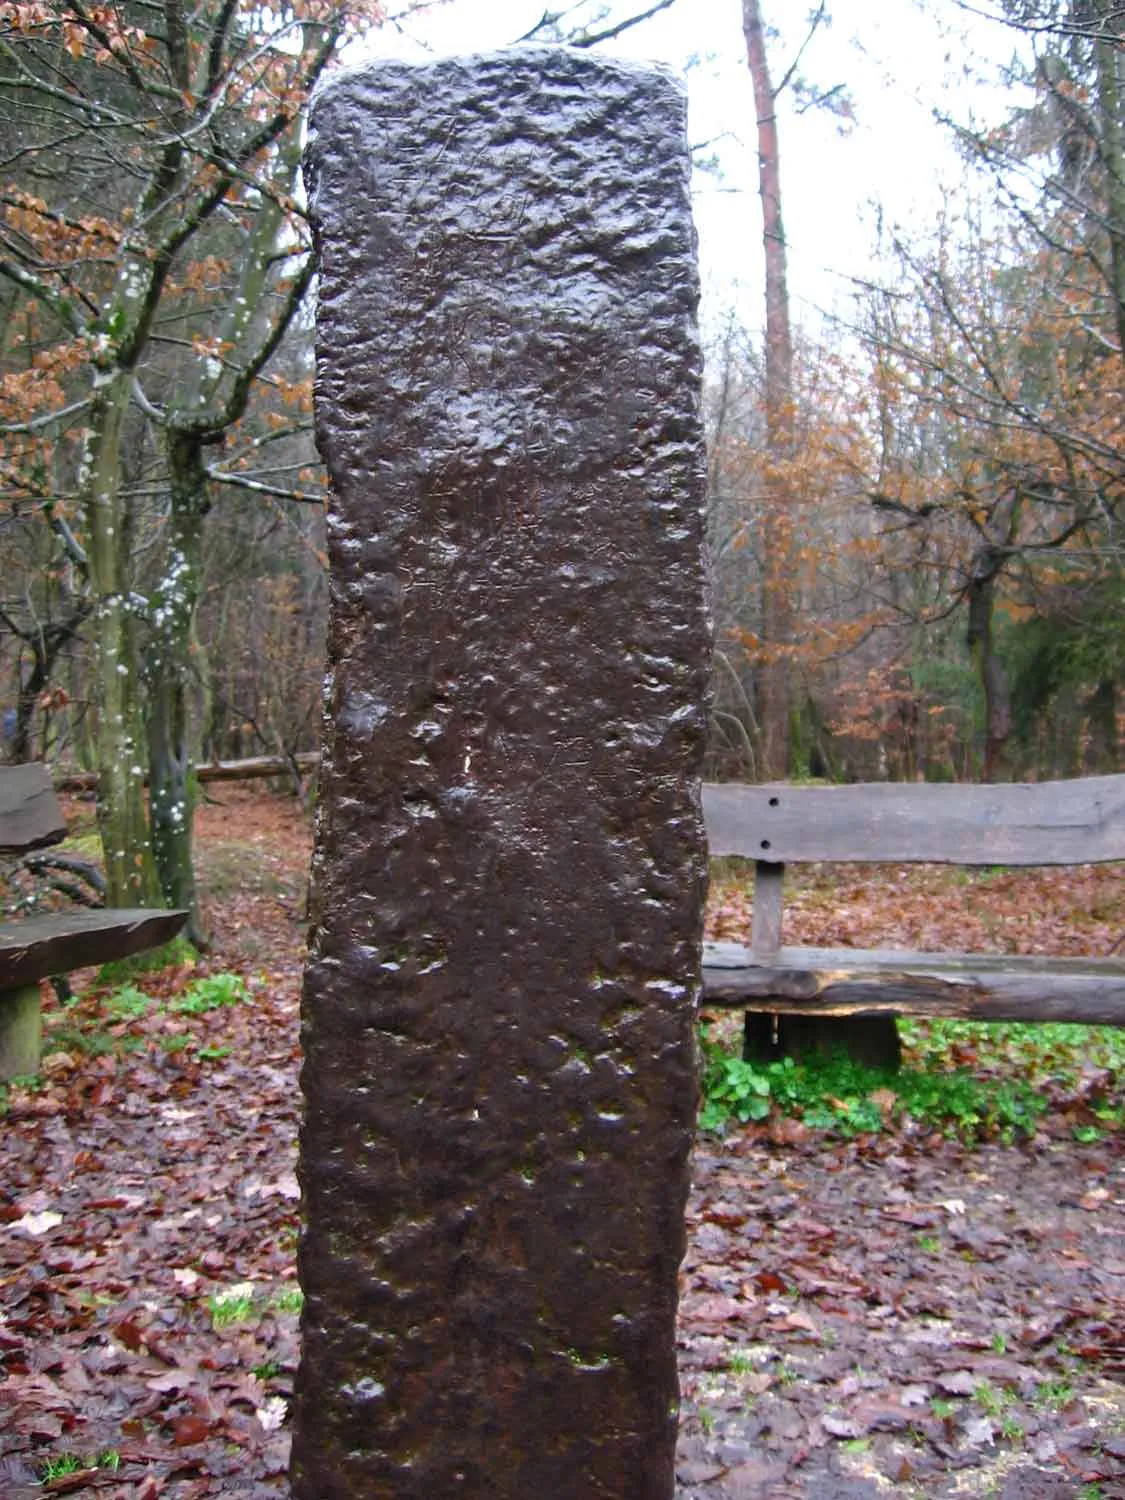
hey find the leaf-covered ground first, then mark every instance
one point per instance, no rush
(893, 1314)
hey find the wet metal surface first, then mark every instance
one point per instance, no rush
(510, 859)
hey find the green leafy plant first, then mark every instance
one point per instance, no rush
(82, 1027)
(1039, 1053)
(851, 1116)
(212, 992)
(732, 1089)
(1054, 1394)
(89, 1041)
(993, 1400)
(86, 1298)
(236, 1304)
(290, 1300)
(57, 1465)
(127, 1003)
(835, 1093)
(30, 1083)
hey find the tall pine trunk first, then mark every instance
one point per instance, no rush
(871, 1040)
(777, 532)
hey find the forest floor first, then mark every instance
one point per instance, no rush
(887, 1313)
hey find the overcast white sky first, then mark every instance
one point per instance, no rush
(898, 63)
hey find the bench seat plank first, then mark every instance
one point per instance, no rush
(35, 947)
(30, 816)
(970, 986)
(1042, 823)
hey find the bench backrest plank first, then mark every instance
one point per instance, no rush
(1043, 823)
(30, 816)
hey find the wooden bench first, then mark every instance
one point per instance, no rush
(1049, 823)
(36, 947)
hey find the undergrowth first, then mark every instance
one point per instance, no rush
(971, 1080)
(127, 1018)
(1049, 1051)
(119, 971)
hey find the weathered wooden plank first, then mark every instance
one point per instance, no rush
(769, 891)
(729, 955)
(850, 982)
(1047, 823)
(35, 947)
(30, 816)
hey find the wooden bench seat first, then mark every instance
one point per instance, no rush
(36, 947)
(877, 982)
(1045, 823)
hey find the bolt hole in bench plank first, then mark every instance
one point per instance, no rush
(1046, 823)
(36, 947)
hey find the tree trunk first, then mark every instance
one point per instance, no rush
(206, 409)
(19, 750)
(130, 874)
(1112, 149)
(46, 646)
(168, 673)
(777, 541)
(990, 669)
(778, 614)
(1101, 709)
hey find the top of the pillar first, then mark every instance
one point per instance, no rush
(549, 61)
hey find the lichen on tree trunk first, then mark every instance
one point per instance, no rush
(122, 819)
(168, 673)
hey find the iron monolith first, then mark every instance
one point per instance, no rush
(510, 863)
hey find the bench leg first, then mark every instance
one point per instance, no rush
(760, 1037)
(872, 1040)
(21, 1032)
